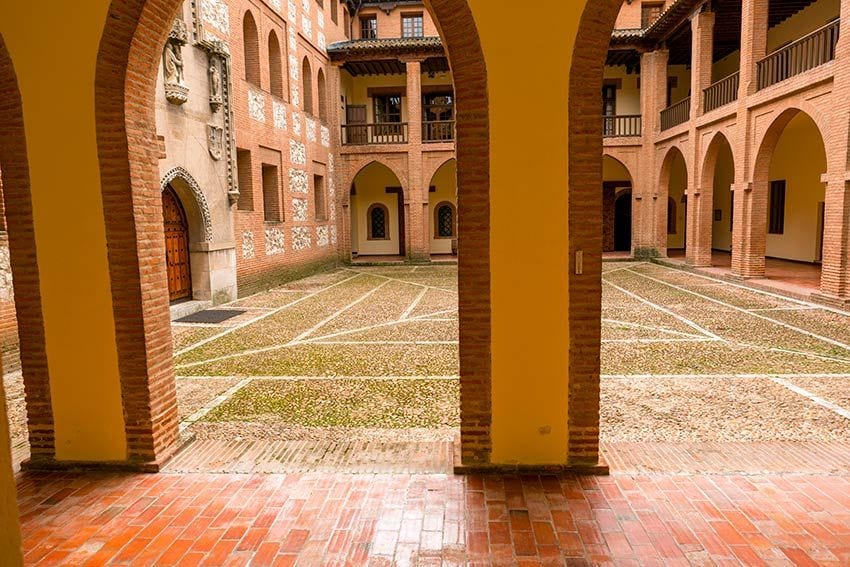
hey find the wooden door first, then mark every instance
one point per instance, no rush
(355, 115)
(176, 246)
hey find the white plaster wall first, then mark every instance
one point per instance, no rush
(628, 97)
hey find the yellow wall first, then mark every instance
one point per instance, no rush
(445, 182)
(800, 160)
(724, 176)
(356, 89)
(678, 185)
(628, 97)
(56, 79)
(371, 184)
(683, 86)
(613, 170)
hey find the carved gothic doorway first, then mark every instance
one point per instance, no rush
(176, 246)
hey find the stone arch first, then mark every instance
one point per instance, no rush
(194, 201)
(585, 226)
(14, 167)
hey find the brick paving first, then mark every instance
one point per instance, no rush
(335, 519)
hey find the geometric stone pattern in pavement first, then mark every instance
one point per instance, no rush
(315, 519)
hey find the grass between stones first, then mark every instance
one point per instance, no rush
(393, 404)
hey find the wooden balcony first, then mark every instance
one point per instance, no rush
(721, 93)
(625, 125)
(806, 53)
(676, 114)
(438, 131)
(374, 134)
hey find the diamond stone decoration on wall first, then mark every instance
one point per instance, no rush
(307, 27)
(216, 14)
(311, 129)
(295, 94)
(302, 238)
(322, 41)
(305, 4)
(322, 236)
(248, 251)
(274, 241)
(326, 137)
(299, 210)
(331, 164)
(297, 153)
(298, 181)
(296, 123)
(275, 4)
(279, 111)
(293, 13)
(292, 33)
(293, 67)
(333, 235)
(257, 106)
(320, 19)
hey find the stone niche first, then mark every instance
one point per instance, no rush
(176, 91)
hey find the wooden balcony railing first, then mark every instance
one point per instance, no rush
(438, 131)
(798, 57)
(367, 134)
(676, 114)
(721, 93)
(627, 125)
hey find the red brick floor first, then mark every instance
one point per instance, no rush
(334, 519)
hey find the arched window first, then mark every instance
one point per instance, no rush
(251, 41)
(322, 89)
(378, 222)
(672, 212)
(444, 220)
(307, 82)
(275, 66)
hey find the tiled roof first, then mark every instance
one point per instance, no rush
(386, 46)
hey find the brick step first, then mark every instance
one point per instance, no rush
(293, 456)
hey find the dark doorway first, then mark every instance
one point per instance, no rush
(623, 222)
(176, 246)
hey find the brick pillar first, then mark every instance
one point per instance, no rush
(700, 194)
(748, 241)
(649, 230)
(418, 247)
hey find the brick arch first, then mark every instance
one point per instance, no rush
(768, 142)
(628, 169)
(429, 175)
(585, 227)
(709, 162)
(17, 201)
(363, 164)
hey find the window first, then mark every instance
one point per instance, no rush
(369, 27)
(378, 217)
(319, 198)
(671, 216)
(335, 11)
(307, 82)
(412, 25)
(649, 12)
(444, 221)
(776, 224)
(251, 41)
(438, 106)
(387, 108)
(245, 177)
(275, 66)
(609, 108)
(272, 211)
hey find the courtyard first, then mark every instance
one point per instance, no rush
(357, 369)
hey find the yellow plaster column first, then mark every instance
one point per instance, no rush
(54, 52)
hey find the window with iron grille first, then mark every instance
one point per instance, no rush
(777, 207)
(445, 221)
(378, 221)
(369, 27)
(412, 25)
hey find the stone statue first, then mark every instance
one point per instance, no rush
(173, 63)
(215, 81)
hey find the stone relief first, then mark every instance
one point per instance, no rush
(279, 112)
(302, 238)
(257, 106)
(216, 14)
(215, 141)
(299, 210)
(298, 181)
(216, 94)
(248, 251)
(326, 137)
(296, 123)
(274, 241)
(200, 198)
(176, 91)
(297, 153)
(311, 129)
(322, 236)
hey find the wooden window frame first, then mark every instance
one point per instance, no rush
(440, 205)
(411, 16)
(373, 31)
(387, 231)
(776, 205)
